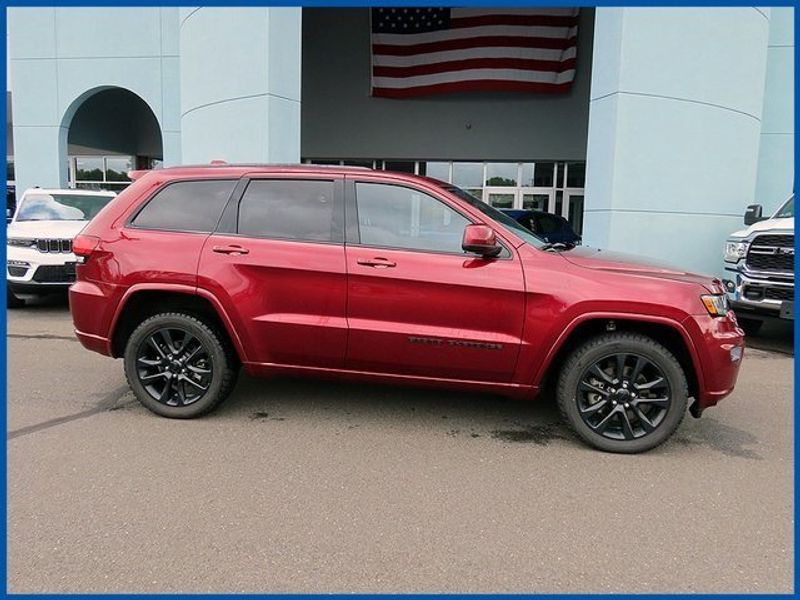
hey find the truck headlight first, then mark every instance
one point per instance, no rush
(716, 304)
(735, 251)
(22, 242)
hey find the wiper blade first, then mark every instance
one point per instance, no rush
(557, 246)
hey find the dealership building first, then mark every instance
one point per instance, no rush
(675, 121)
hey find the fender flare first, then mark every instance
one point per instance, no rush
(621, 316)
(177, 288)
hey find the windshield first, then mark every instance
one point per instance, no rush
(493, 213)
(60, 207)
(786, 211)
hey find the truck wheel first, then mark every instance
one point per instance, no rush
(13, 301)
(622, 392)
(178, 366)
(750, 326)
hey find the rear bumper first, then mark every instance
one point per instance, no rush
(720, 351)
(91, 305)
(95, 343)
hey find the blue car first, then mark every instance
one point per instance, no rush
(551, 228)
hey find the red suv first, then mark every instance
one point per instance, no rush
(192, 272)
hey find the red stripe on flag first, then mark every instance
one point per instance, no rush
(532, 20)
(479, 85)
(497, 41)
(476, 63)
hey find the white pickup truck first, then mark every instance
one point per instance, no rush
(759, 266)
(39, 240)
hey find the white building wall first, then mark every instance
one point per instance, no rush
(776, 153)
(674, 128)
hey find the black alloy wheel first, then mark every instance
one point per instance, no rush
(180, 365)
(623, 396)
(174, 367)
(622, 392)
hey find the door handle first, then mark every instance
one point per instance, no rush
(232, 249)
(378, 262)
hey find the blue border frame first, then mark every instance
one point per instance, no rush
(364, 3)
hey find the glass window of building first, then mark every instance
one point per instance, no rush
(501, 174)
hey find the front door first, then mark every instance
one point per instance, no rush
(417, 304)
(278, 263)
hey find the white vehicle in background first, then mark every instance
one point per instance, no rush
(759, 265)
(39, 240)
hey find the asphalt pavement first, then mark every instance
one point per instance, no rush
(308, 486)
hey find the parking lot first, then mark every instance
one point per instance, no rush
(305, 486)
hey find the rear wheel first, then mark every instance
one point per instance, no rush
(178, 366)
(13, 301)
(622, 392)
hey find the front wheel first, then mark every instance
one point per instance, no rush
(178, 366)
(12, 300)
(622, 392)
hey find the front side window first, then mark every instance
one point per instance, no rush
(186, 206)
(392, 216)
(288, 209)
(60, 207)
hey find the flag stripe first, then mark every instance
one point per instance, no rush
(533, 20)
(490, 85)
(457, 13)
(519, 42)
(546, 54)
(414, 39)
(475, 63)
(475, 74)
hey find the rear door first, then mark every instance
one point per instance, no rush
(277, 263)
(417, 304)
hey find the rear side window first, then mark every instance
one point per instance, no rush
(288, 209)
(186, 206)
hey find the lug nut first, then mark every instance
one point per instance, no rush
(627, 405)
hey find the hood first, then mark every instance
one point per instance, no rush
(45, 229)
(786, 224)
(605, 260)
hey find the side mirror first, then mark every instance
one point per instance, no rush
(480, 239)
(753, 214)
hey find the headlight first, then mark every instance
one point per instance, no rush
(22, 242)
(735, 251)
(716, 305)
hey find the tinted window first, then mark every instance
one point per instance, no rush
(399, 217)
(288, 209)
(186, 206)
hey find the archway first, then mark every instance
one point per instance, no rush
(108, 133)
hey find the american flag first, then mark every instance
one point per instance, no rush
(421, 51)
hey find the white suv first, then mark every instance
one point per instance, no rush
(40, 258)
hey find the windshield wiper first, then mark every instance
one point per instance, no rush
(557, 246)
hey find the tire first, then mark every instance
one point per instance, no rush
(198, 384)
(649, 404)
(13, 301)
(750, 326)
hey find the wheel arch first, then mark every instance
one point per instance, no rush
(143, 301)
(666, 331)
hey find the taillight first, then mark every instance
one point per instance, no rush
(83, 246)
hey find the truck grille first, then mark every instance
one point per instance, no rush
(771, 253)
(779, 293)
(55, 274)
(54, 246)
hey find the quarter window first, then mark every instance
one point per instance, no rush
(288, 209)
(399, 217)
(186, 206)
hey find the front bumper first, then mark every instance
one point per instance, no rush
(29, 271)
(720, 352)
(769, 294)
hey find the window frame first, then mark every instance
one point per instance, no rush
(129, 222)
(353, 232)
(228, 224)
